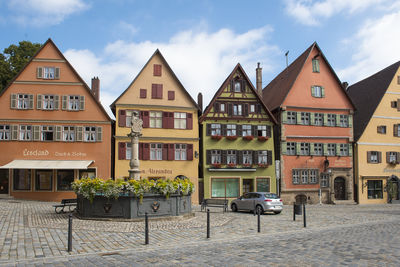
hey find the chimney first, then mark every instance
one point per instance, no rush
(259, 79)
(200, 102)
(96, 88)
(345, 85)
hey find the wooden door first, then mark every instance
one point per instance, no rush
(340, 188)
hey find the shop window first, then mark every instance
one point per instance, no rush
(179, 120)
(4, 132)
(180, 151)
(64, 180)
(225, 187)
(155, 119)
(263, 184)
(89, 173)
(22, 179)
(47, 133)
(44, 180)
(375, 190)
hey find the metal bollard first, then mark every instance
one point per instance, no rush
(146, 229)
(304, 215)
(258, 221)
(208, 223)
(294, 211)
(70, 233)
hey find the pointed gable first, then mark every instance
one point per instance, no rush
(367, 94)
(227, 93)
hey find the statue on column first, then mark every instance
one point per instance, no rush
(136, 132)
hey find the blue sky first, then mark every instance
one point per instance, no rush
(203, 40)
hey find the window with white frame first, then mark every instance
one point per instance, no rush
(318, 119)
(180, 151)
(246, 130)
(90, 134)
(373, 156)
(331, 119)
(25, 132)
(155, 151)
(4, 132)
(247, 157)
(23, 101)
(231, 130)
(231, 157)
(305, 118)
(215, 129)
(295, 176)
(73, 102)
(155, 119)
(215, 156)
(48, 102)
(291, 117)
(252, 108)
(47, 133)
(291, 148)
(128, 118)
(262, 130)
(222, 107)
(313, 175)
(237, 86)
(263, 157)
(343, 150)
(179, 120)
(331, 149)
(318, 149)
(344, 120)
(48, 72)
(304, 148)
(315, 65)
(237, 109)
(324, 179)
(69, 133)
(392, 157)
(304, 176)
(316, 91)
(128, 151)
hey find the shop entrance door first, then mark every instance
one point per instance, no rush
(340, 188)
(247, 185)
(4, 181)
(394, 190)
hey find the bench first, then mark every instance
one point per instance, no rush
(59, 208)
(213, 202)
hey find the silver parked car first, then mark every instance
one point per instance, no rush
(258, 201)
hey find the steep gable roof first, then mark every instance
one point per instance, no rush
(367, 94)
(238, 67)
(275, 93)
(50, 42)
(157, 52)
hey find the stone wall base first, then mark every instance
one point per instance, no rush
(312, 197)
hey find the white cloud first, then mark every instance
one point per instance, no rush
(310, 12)
(201, 60)
(44, 12)
(376, 46)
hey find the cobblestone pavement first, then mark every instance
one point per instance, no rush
(356, 235)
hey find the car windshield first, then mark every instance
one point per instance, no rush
(271, 195)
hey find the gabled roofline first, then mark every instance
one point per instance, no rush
(225, 83)
(112, 106)
(69, 64)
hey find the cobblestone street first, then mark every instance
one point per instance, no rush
(31, 233)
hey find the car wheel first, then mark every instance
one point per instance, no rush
(277, 212)
(259, 209)
(234, 208)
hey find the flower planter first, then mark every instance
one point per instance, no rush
(262, 138)
(216, 137)
(231, 137)
(246, 165)
(263, 165)
(248, 138)
(231, 165)
(216, 165)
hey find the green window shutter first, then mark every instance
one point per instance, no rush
(337, 149)
(284, 148)
(350, 121)
(322, 91)
(39, 101)
(64, 102)
(30, 101)
(312, 91)
(284, 117)
(297, 148)
(39, 72)
(79, 133)
(14, 132)
(99, 134)
(58, 133)
(350, 147)
(56, 102)
(13, 101)
(312, 149)
(36, 133)
(325, 119)
(325, 149)
(312, 118)
(298, 118)
(338, 120)
(82, 102)
(57, 73)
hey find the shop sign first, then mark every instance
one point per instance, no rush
(35, 152)
(391, 170)
(156, 171)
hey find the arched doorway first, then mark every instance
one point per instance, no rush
(340, 188)
(393, 189)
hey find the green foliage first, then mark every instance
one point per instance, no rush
(13, 59)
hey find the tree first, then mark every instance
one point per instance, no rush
(13, 59)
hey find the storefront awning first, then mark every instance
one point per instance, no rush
(47, 164)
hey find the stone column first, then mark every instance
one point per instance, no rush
(136, 129)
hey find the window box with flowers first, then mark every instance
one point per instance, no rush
(262, 138)
(231, 137)
(246, 165)
(216, 165)
(263, 165)
(231, 165)
(216, 137)
(248, 137)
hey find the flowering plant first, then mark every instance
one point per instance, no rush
(263, 165)
(231, 164)
(246, 165)
(248, 137)
(216, 137)
(262, 138)
(231, 137)
(216, 165)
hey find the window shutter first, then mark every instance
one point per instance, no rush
(312, 91)
(398, 104)
(322, 91)
(338, 120)
(239, 157)
(284, 117)
(216, 107)
(269, 131)
(39, 72)
(99, 134)
(143, 93)
(379, 157)
(387, 157)
(350, 149)
(146, 151)
(398, 156)
(39, 101)
(243, 86)
(170, 120)
(81, 102)
(350, 121)
(223, 156)
(246, 110)
(36, 133)
(56, 102)
(208, 129)
(395, 130)
(230, 109)
(30, 101)
(284, 148)
(14, 132)
(223, 129)
(154, 90)
(171, 95)
(189, 152)
(64, 102)
(255, 157)
(121, 118)
(165, 120)
(269, 157)
(79, 133)
(159, 91)
(258, 106)
(325, 119)
(312, 152)
(171, 152)
(239, 130)
(165, 152)
(254, 129)
(189, 121)
(156, 70)
(13, 101)
(208, 157)
(369, 156)
(57, 73)
(298, 148)
(325, 149)
(58, 133)
(121, 150)
(337, 149)
(146, 119)
(140, 151)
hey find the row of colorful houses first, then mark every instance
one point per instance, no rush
(305, 135)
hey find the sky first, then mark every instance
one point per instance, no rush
(203, 40)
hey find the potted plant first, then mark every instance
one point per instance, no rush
(248, 137)
(231, 137)
(262, 138)
(216, 137)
